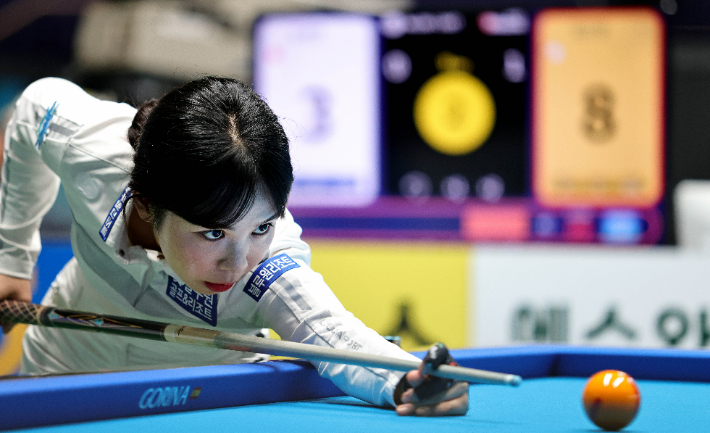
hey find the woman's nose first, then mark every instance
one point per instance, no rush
(235, 258)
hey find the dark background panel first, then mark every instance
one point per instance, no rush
(503, 153)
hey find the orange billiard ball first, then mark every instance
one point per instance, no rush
(611, 399)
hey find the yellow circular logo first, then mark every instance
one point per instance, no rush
(454, 112)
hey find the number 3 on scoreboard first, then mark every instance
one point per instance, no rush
(598, 107)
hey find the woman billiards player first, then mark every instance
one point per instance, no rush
(179, 214)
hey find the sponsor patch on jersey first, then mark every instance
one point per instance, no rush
(267, 273)
(53, 126)
(203, 307)
(114, 213)
(44, 125)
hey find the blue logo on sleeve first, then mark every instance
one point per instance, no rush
(267, 273)
(114, 213)
(44, 125)
(201, 306)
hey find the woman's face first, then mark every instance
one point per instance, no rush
(210, 261)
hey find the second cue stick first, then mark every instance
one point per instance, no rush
(33, 314)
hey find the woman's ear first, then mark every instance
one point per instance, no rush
(143, 209)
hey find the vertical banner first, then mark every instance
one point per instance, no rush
(598, 107)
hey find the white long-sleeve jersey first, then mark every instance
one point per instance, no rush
(60, 134)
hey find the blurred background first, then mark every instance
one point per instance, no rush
(477, 172)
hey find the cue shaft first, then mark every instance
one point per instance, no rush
(33, 314)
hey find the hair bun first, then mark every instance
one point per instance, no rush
(134, 132)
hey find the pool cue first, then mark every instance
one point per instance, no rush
(33, 314)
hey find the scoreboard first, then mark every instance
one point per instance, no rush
(487, 125)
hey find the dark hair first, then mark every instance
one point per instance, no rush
(205, 149)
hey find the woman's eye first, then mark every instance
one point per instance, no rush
(213, 235)
(263, 229)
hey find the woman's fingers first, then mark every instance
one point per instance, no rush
(455, 391)
(452, 401)
(458, 406)
(17, 289)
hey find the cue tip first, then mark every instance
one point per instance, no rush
(514, 380)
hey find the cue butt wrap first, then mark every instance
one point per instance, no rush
(20, 312)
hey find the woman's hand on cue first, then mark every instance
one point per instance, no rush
(17, 289)
(418, 393)
(450, 401)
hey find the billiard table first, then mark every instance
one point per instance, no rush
(289, 396)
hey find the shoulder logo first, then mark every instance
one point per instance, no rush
(114, 213)
(44, 125)
(267, 273)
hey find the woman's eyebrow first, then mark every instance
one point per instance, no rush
(273, 216)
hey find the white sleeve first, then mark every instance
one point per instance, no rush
(29, 187)
(300, 307)
(287, 239)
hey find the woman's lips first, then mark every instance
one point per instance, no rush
(216, 287)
